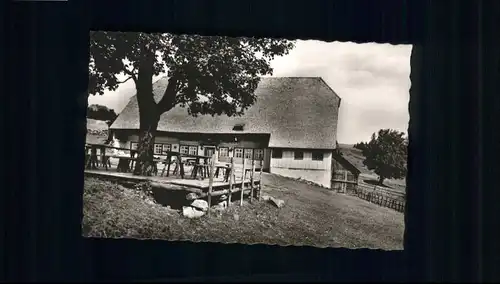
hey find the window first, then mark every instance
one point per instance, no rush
(238, 153)
(248, 153)
(167, 148)
(277, 154)
(158, 149)
(317, 156)
(133, 145)
(184, 149)
(223, 152)
(193, 150)
(298, 155)
(258, 154)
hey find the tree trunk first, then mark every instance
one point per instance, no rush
(145, 165)
(381, 180)
(148, 117)
(149, 112)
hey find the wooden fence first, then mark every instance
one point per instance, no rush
(376, 195)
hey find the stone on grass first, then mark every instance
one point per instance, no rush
(200, 204)
(220, 206)
(191, 196)
(265, 197)
(277, 202)
(191, 212)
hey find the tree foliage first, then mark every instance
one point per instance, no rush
(386, 154)
(361, 145)
(206, 74)
(100, 112)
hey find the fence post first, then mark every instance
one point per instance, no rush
(242, 181)
(251, 180)
(231, 173)
(210, 182)
(260, 178)
(345, 181)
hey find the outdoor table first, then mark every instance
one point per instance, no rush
(190, 161)
(91, 160)
(179, 165)
(226, 169)
(203, 169)
(198, 169)
(124, 163)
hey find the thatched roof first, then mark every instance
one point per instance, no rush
(297, 112)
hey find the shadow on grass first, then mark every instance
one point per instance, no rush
(375, 182)
(177, 199)
(174, 199)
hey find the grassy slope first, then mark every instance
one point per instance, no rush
(96, 124)
(312, 216)
(100, 125)
(355, 156)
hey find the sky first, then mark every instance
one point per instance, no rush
(372, 79)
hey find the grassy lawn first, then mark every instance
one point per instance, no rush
(311, 216)
(94, 124)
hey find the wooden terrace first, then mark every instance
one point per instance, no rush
(199, 176)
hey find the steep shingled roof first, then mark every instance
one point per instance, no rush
(298, 112)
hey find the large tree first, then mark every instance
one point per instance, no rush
(207, 74)
(386, 154)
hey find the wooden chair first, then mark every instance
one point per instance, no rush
(168, 161)
(206, 167)
(105, 162)
(87, 157)
(123, 165)
(225, 168)
(179, 167)
(133, 155)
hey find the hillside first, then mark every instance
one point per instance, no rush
(97, 131)
(96, 124)
(355, 156)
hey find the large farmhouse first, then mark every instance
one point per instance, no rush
(292, 126)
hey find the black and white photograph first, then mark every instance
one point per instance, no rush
(246, 140)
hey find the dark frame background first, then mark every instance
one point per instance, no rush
(452, 100)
